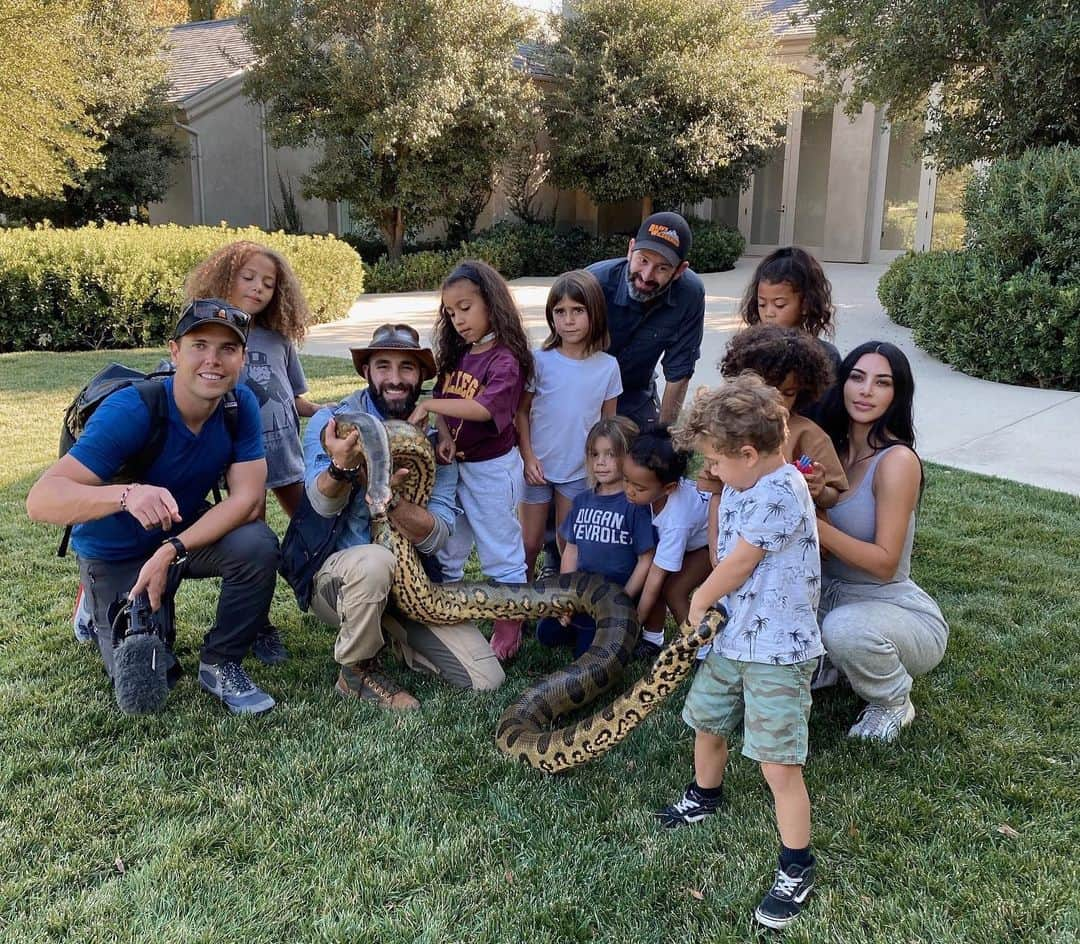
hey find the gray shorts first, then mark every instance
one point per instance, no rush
(545, 494)
(772, 702)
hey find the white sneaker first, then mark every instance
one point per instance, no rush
(82, 620)
(882, 723)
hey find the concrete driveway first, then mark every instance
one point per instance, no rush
(1017, 433)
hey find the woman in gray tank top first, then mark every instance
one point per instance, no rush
(878, 626)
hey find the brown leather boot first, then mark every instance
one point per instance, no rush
(365, 682)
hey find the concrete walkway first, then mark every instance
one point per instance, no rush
(1017, 433)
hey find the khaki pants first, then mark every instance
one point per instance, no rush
(350, 594)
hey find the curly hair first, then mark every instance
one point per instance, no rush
(743, 411)
(773, 352)
(655, 449)
(503, 317)
(287, 312)
(806, 277)
(582, 287)
(620, 431)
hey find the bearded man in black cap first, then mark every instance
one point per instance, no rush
(655, 308)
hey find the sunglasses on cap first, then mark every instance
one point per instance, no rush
(212, 311)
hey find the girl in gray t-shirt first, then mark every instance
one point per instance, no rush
(261, 282)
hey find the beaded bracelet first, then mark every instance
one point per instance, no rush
(124, 496)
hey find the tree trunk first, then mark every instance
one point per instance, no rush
(646, 208)
(394, 233)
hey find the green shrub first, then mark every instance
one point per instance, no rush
(122, 285)
(893, 287)
(715, 247)
(539, 249)
(1007, 306)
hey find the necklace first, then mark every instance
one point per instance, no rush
(490, 336)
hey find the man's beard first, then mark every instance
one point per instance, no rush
(395, 409)
(639, 296)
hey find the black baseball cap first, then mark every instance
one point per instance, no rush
(666, 233)
(212, 311)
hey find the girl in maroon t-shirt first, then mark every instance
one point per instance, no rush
(483, 359)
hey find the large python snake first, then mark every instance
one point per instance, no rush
(531, 729)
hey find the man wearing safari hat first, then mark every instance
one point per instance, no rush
(349, 590)
(655, 307)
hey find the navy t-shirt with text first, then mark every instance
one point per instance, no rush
(609, 532)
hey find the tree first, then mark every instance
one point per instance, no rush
(125, 105)
(994, 77)
(663, 100)
(413, 102)
(47, 134)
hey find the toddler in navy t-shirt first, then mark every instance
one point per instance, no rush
(604, 533)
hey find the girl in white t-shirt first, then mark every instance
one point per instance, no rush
(574, 385)
(653, 470)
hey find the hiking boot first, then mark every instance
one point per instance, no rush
(783, 902)
(692, 807)
(82, 620)
(882, 722)
(269, 648)
(229, 682)
(365, 682)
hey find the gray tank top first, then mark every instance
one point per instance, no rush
(855, 514)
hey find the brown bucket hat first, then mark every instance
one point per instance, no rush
(395, 337)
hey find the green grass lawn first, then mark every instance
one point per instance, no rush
(327, 821)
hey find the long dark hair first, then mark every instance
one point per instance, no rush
(503, 315)
(896, 424)
(804, 274)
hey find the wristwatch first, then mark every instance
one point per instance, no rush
(178, 546)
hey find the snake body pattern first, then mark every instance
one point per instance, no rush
(530, 729)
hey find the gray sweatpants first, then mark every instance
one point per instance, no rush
(881, 635)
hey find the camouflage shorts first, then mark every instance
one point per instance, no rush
(771, 701)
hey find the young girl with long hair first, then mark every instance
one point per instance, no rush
(483, 361)
(879, 627)
(790, 289)
(574, 385)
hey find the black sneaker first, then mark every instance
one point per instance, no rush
(269, 648)
(691, 807)
(646, 651)
(229, 682)
(786, 898)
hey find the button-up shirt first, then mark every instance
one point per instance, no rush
(672, 328)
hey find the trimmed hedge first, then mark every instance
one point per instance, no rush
(539, 249)
(122, 285)
(1007, 306)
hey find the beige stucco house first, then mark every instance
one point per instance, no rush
(849, 190)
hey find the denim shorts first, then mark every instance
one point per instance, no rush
(545, 494)
(772, 702)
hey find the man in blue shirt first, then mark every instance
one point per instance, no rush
(655, 307)
(351, 588)
(147, 535)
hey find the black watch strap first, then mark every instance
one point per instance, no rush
(178, 545)
(339, 474)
